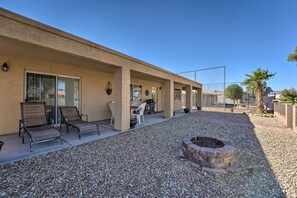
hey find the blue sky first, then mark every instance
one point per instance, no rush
(183, 35)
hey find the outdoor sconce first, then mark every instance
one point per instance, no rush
(108, 88)
(5, 67)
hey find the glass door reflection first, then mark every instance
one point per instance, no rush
(68, 93)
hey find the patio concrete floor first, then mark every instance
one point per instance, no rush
(14, 150)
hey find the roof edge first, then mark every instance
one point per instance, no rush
(36, 24)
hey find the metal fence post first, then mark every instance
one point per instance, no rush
(295, 118)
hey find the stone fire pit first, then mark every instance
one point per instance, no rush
(208, 152)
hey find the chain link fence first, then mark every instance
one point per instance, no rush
(213, 96)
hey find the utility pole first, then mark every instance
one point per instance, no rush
(224, 87)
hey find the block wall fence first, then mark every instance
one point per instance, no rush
(287, 113)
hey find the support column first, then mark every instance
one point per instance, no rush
(169, 98)
(199, 98)
(189, 97)
(122, 99)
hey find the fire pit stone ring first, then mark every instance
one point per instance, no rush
(209, 152)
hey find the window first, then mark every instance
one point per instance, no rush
(54, 90)
(68, 92)
(177, 94)
(135, 92)
(154, 94)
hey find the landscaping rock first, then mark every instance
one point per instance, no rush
(144, 163)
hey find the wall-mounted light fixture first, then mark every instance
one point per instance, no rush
(5, 67)
(108, 88)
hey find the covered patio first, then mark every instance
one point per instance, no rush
(14, 150)
(48, 65)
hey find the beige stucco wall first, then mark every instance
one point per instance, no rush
(11, 93)
(92, 83)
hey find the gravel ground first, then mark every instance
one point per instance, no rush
(273, 122)
(146, 163)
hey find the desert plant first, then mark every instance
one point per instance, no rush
(254, 83)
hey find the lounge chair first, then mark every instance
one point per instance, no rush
(71, 117)
(35, 125)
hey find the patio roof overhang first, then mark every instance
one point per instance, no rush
(21, 48)
(140, 75)
(31, 38)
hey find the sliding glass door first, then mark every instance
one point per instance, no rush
(54, 90)
(68, 93)
(42, 88)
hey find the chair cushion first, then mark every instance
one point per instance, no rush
(41, 133)
(83, 126)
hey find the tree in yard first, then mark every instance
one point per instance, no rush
(290, 95)
(255, 83)
(293, 57)
(234, 92)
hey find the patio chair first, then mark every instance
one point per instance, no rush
(136, 103)
(111, 108)
(139, 112)
(71, 117)
(34, 123)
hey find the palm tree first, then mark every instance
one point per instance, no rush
(293, 56)
(255, 83)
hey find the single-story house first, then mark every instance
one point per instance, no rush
(210, 98)
(41, 63)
